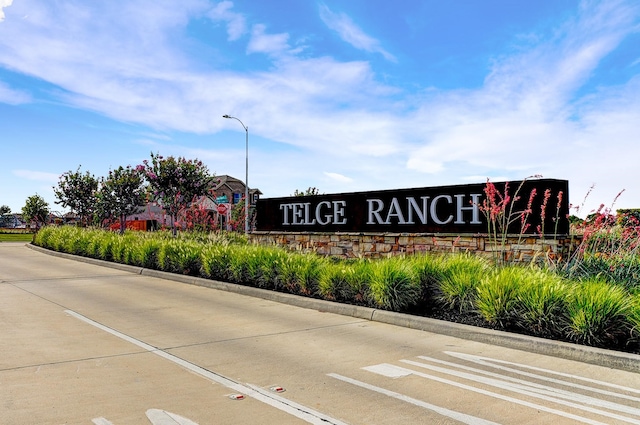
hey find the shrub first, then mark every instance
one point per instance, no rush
(540, 303)
(270, 266)
(239, 264)
(178, 256)
(300, 273)
(496, 295)
(394, 284)
(598, 313)
(461, 275)
(215, 261)
(345, 280)
(145, 253)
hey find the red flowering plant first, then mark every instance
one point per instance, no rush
(609, 247)
(507, 214)
(199, 217)
(236, 220)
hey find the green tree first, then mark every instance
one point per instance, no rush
(311, 191)
(77, 192)
(35, 210)
(4, 210)
(175, 182)
(121, 194)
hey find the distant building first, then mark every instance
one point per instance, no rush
(226, 190)
(12, 221)
(230, 190)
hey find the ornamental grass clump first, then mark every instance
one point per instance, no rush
(215, 260)
(345, 280)
(145, 253)
(300, 273)
(541, 302)
(430, 271)
(240, 266)
(599, 313)
(634, 318)
(609, 248)
(496, 295)
(107, 243)
(394, 284)
(180, 256)
(461, 274)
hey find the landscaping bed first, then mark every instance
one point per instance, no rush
(533, 300)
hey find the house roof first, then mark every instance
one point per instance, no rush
(231, 183)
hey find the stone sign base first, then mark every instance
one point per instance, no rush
(515, 248)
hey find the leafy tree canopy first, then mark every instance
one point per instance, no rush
(311, 191)
(77, 192)
(175, 182)
(35, 210)
(121, 194)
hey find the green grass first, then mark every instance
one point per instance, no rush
(15, 237)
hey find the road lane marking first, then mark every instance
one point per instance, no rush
(302, 412)
(539, 388)
(162, 417)
(460, 417)
(487, 361)
(385, 369)
(524, 390)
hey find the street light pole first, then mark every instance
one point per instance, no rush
(247, 203)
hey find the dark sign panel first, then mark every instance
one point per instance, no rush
(529, 206)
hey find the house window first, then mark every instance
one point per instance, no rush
(237, 197)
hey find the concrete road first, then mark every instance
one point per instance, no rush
(86, 344)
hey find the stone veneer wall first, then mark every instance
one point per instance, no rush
(375, 245)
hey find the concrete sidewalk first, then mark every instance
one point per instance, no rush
(597, 356)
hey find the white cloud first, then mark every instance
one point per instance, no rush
(338, 177)
(236, 23)
(529, 118)
(37, 175)
(351, 33)
(12, 97)
(261, 42)
(3, 4)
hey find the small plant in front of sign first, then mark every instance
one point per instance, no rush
(456, 286)
(346, 280)
(541, 302)
(498, 208)
(506, 214)
(598, 313)
(609, 248)
(394, 285)
(496, 295)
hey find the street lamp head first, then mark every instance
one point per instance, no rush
(226, 116)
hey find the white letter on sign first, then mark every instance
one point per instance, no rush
(338, 212)
(319, 213)
(375, 212)
(434, 205)
(475, 213)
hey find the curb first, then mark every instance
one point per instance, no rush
(596, 356)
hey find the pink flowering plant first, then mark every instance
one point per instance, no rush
(175, 183)
(509, 213)
(609, 246)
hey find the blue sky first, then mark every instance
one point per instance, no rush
(344, 96)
